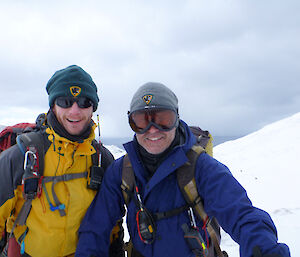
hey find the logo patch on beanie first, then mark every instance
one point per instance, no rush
(75, 90)
(147, 98)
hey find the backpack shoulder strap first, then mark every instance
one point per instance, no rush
(128, 179)
(187, 184)
(35, 142)
(95, 156)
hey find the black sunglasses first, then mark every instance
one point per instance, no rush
(67, 102)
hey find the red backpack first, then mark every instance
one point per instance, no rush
(9, 134)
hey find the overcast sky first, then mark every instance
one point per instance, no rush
(233, 64)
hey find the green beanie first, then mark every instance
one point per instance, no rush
(72, 81)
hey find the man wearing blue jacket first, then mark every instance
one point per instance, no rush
(158, 149)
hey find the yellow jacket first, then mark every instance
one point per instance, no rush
(49, 233)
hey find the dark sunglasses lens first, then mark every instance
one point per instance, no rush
(84, 102)
(141, 121)
(64, 102)
(67, 102)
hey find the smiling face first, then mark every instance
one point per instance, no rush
(155, 141)
(74, 119)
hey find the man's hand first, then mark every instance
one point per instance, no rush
(257, 253)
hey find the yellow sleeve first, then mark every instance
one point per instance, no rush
(5, 211)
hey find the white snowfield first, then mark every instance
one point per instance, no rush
(267, 164)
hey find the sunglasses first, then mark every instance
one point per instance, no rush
(162, 119)
(67, 102)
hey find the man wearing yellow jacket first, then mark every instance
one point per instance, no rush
(67, 133)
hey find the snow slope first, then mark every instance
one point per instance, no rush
(266, 163)
(116, 151)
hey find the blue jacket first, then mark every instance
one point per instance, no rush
(223, 198)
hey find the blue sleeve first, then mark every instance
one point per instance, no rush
(225, 199)
(102, 215)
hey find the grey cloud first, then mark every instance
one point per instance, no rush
(234, 65)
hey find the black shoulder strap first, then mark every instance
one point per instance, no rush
(95, 156)
(106, 156)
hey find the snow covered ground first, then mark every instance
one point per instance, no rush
(266, 163)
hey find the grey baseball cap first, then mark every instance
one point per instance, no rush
(153, 95)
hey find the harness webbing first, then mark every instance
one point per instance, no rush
(64, 177)
(158, 215)
(168, 214)
(36, 142)
(21, 219)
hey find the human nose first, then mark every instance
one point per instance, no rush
(153, 129)
(74, 108)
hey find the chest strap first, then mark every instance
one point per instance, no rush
(55, 180)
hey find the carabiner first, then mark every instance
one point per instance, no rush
(192, 217)
(26, 159)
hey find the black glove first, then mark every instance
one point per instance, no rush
(116, 248)
(257, 253)
(2, 244)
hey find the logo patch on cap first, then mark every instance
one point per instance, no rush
(147, 98)
(75, 90)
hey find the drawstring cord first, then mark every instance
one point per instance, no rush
(51, 206)
(205, 230)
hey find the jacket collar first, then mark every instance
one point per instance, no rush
(82, 148)
(60, 130)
